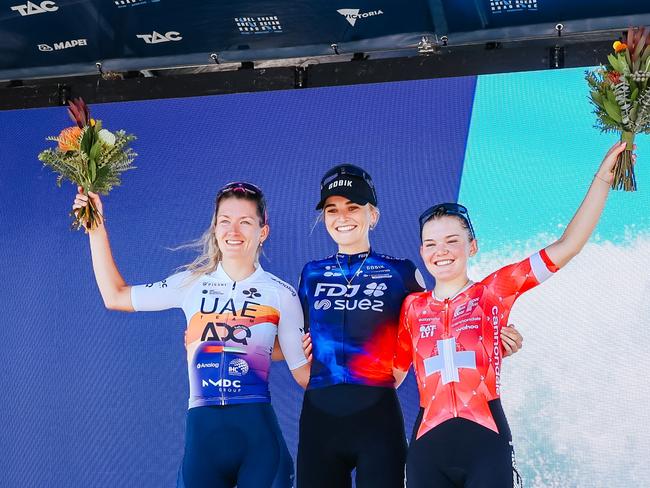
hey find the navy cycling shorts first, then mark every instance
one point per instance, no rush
(235, 445)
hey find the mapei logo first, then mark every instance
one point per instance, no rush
(57, 46)
(31, 8)
(375, 289)
(354, 14)
(157, 38)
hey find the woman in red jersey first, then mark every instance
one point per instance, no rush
(452, 337)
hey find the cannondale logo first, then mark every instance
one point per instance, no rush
(252, 293)
(322, 304)
(375, 289)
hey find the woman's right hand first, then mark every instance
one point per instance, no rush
(81, 201)
(307, 347)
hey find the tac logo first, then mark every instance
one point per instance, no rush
(157, 38)
(58, 46)
(354, 14)
(375, 289)
(31, 8)
(238, 367)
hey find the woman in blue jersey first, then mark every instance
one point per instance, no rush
(351, 417)
(234, 311)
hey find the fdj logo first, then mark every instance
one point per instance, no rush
(236, 333)
(32, 9)
(156, 38)
(345, 300)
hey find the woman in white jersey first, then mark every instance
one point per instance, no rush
(234, 310)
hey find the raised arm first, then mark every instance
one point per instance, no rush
(114, 290)
(585, 219)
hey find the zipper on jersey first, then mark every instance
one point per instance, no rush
(223, 351)
(448, 334)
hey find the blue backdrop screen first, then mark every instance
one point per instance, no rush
(90, 397)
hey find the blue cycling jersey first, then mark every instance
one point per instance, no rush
(351, 305)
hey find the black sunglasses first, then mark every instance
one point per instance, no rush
(245, 188)
(449, 208)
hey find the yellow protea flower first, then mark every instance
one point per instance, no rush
(619, 46)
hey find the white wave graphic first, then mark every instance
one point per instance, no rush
(577, 395)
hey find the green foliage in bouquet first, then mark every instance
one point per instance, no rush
(621, 98)
(89, 156)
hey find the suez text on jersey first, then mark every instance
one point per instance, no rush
(342, 298)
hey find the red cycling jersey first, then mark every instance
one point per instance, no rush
(455, 344)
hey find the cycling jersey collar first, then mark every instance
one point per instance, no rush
(222, 276)
(354, 257)
(469, 284)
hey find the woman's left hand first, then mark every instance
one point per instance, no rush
(511, 340)
(606, 170)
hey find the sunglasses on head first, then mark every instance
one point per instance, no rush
(449, 208)
(244, 188)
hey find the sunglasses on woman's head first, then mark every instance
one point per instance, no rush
(245, 188)
(449, 208)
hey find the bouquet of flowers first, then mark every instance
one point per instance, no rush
(620, 95)
(89, 156)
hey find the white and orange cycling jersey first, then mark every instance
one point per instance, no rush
(455, 343)
(231, 330)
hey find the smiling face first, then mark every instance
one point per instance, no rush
(348, 223)
(446, 247)
(238, 229)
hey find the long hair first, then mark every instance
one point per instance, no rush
(209, 253)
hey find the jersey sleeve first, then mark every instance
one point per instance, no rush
(290, 328)
(413, 279)
(162, 295)
(404, 347)
(515, 279)
(304, 298)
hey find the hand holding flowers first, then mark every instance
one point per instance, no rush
(621, 97)
(91, 157)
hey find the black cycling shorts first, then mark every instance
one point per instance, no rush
(460, 453)
(345, 427)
